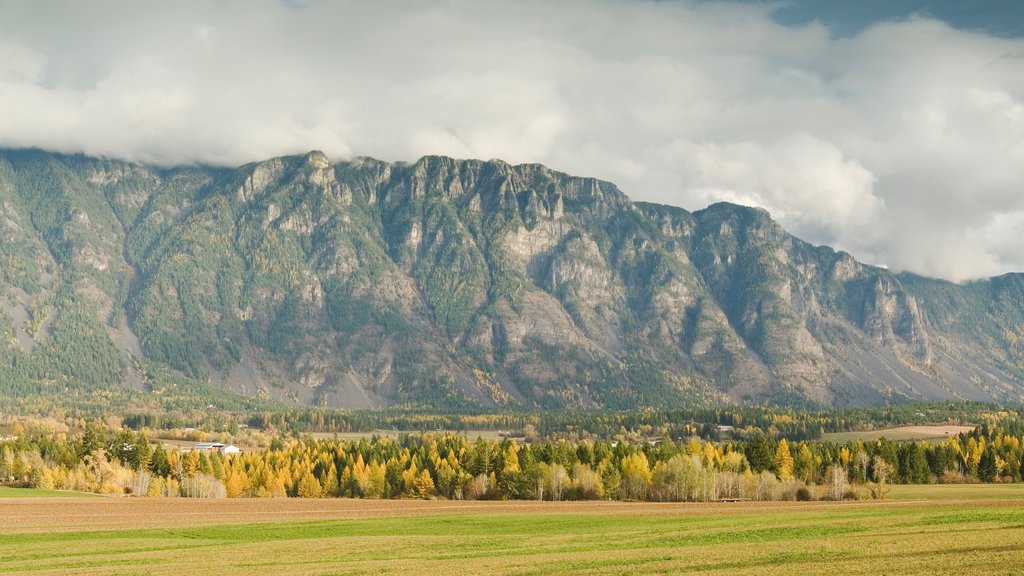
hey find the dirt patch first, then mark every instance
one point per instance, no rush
(903, 433)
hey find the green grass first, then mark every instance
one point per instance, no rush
(946, 492)
(848, 539)
(8, 492)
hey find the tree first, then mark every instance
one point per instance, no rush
(329, 482)
(862, 460)
(511, 481)
(611, 478)
(309, 487)
(759, 454)
(987, 467)
(556, 480)
(882, 471)
(837, 484)
(805, 465)
(6, 464)
(234, 484)
(190, 463)
(636, 476)
(158, 463)
(479, 487)
(375, 481)
(423, 485)
(784, 460)
(93, 439)
(98, 472)
(202, 486)
(917, 464)
(586, 482)
(680, 478)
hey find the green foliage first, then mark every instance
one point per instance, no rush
(452, 273)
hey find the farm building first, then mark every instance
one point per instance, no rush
(226, 449)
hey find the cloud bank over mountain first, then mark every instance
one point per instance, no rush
(902, 143)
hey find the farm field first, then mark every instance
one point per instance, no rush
(949, 492)
(6, 492)
(930, 433)
(932, 532)
(390, 433)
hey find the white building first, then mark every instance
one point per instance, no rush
(225, 449)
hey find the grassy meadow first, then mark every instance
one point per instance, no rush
(7, 492)
(929, 530)
(950, 492)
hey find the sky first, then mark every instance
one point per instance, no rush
(891, 129)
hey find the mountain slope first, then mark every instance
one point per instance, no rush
(453, 284)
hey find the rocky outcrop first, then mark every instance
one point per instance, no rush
(455, 283)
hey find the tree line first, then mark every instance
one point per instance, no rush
(773, 421)
(450, 465)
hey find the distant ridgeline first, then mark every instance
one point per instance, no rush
(458, 286)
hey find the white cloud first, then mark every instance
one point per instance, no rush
(800, 179)
(903, 144)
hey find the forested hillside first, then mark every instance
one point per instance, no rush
(455, 284)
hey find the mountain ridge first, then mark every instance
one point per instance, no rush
(460, 283)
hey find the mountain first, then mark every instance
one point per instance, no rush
(453, 284)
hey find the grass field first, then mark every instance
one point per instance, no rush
(947, 492)
(941, 535)
(6, 492)
(929, 433)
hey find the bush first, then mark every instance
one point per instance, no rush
(955, 477)
(791, 490)
(877, 491)
(803, 494)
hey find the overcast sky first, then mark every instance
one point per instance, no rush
(891, 129)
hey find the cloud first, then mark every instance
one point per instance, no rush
(800, 179)
(902, 143)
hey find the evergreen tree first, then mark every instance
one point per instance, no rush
(759, 454)
(987, 465)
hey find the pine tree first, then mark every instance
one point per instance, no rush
(987, 468)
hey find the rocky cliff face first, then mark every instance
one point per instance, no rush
(455, 283)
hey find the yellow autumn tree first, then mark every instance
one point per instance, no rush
(373, 484)
(234, 484)
(409, 476)
(510, 457)
(329, 483)
(784, 460)
(423, 486)
(636, 476)
(309, 486)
